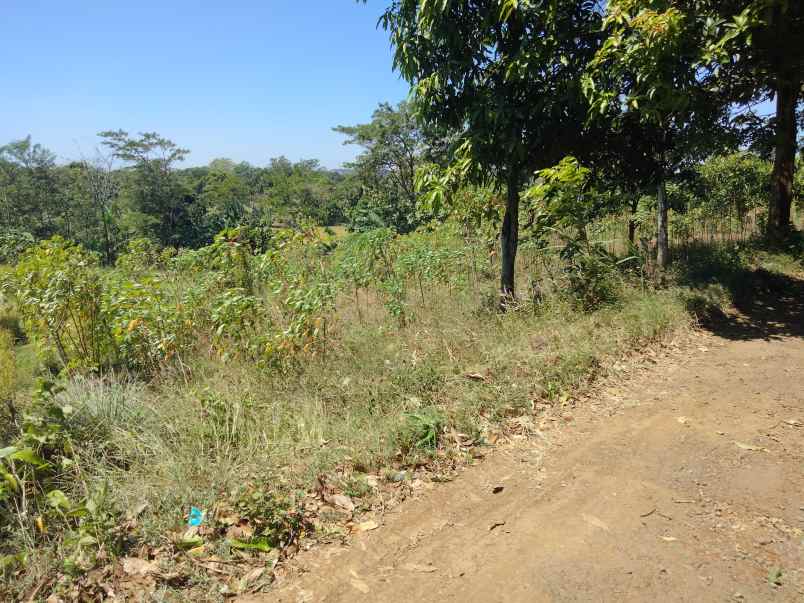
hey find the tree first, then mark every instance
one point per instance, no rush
(29, 193)
(224, 198)
(504, 75)
(393, 144)
(302, 190)
(158, 202)
(747, 51)
(103, 189)
(756, 50)
(647, 69)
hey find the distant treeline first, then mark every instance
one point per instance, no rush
(134, 187)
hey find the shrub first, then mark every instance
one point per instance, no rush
(143, 255)
(591, 274)
(58, 290)
(148, 325)
(13, 243)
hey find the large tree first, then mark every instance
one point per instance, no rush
(744, 51)
(30, 196)
(158, 202)
(647, 74)
(756, 48)
(392, 145)
(504, 75)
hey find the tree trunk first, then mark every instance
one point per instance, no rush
(784, 160)
(107, 240)
(662, 246)
(509, 239)
(632, 225)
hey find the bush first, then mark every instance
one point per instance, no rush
(143, 255)
(592, 275)
(58, 290)
(13, 243)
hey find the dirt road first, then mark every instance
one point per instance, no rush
(684, 482)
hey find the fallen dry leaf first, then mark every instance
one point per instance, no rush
(749, 447)
(594, 521)
(135, 566)
(475, 376)
(241, 531)
(367, 526)
(416, 567)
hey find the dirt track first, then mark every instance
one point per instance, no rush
(684, 482)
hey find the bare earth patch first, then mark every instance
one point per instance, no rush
(683, 481)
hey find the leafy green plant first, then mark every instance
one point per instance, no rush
(91, 528)
(143, 255)
(58, 291)
(238, 322)
(148, 325)
(591, 274)
(261, 518)
(421, 430)
(565, 203)
(13, 243)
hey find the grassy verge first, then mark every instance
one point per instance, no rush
(248, 444)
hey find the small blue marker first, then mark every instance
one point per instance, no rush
(196, 517)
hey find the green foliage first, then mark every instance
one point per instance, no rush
(274, 518)
(58, 290)
(303, 191)
(8, 366)
(156, 207)
(591, 273)
(31, 199)
(143, 255)
(565, 203)
(13, 243)
(45, 455)
(565, 198)
(146, 323)
(738, 183)
(393, 143)
(649, 39)
(421, 430)
(509, 118)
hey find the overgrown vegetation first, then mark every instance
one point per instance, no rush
(234, 380)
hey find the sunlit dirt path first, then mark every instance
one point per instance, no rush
(683, 482)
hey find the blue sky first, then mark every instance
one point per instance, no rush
(245, 79)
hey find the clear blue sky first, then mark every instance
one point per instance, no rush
(244, 79)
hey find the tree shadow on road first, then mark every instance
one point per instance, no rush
(767, 305)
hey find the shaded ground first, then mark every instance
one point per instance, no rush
(682, 482)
